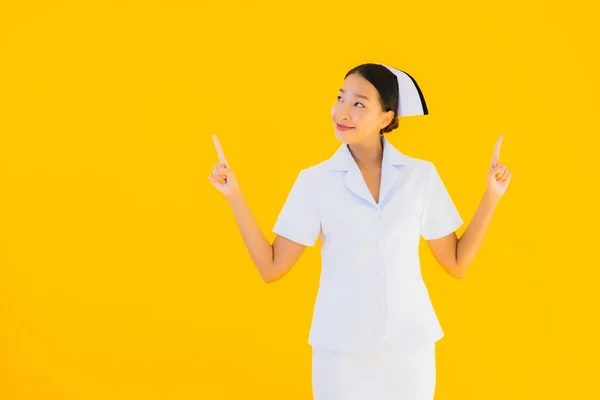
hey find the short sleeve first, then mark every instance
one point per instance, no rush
(440, 216)
(299, 218)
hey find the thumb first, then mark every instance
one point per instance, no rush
(498, 170)
(227, 173)
(222, 168)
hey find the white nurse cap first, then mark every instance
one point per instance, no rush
(410, 98)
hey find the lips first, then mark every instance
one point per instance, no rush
(343, 127)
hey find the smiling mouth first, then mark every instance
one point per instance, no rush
(343, 127)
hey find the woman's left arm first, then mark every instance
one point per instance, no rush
(454, 254)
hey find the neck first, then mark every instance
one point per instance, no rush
(368, 153)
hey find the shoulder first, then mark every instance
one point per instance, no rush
(317, 171)
(417, 165)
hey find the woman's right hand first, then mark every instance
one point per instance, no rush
(222, 177)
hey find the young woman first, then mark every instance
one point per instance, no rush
(374, 329)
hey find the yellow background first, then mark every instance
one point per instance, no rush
(122, 273)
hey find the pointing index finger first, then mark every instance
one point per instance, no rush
(496, 155)
(220, 153)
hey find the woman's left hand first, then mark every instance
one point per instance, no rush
(498, 176)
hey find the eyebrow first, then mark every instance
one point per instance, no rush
(357, 95)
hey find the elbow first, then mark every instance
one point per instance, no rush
(459, 271)
(459, 275)
(269, 279)
(459, 266)
(270, 273)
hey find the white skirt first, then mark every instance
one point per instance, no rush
(385, 374)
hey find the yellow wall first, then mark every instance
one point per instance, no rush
(117, 283)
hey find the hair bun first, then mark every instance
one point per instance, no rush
(393, 125)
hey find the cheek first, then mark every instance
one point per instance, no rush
(360, 118)
(336, 107)
(368, 121)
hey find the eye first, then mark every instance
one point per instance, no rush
(339, 98)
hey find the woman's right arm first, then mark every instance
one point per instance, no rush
(273, 261)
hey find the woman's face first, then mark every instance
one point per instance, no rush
(357, 114)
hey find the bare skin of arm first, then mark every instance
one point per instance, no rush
(273, 260)
(455, 254)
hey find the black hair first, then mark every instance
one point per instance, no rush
(386, 84)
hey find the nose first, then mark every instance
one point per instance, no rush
(341, 112)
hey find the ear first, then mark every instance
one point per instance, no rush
(386, 118)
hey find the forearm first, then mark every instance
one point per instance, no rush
(469, 243)
(259, 248)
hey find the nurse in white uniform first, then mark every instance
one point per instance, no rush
(374, 329)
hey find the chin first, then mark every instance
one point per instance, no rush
(345, 137)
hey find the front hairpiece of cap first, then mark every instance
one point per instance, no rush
(411, 100)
